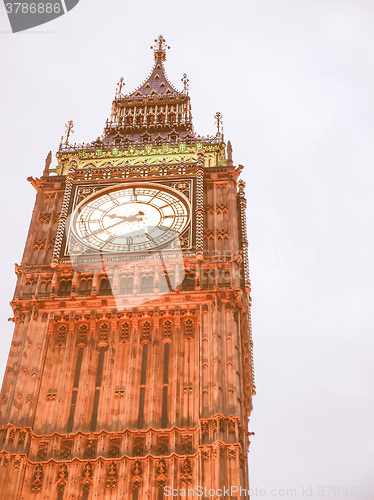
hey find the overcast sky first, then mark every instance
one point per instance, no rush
(294, 80)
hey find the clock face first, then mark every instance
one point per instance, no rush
(131, 218)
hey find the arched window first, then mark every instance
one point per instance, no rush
(189, 281)
(225, 278)
(209, 278)
(147, 284)
(85, 286)
(45, 287)
(126, 285)
(105, 287)
(64, 288)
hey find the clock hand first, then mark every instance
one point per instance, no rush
(114, 216)
(135, 217)
(103, 229)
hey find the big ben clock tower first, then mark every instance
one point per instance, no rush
(130, 372)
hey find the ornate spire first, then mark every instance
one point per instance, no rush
(160, 48)
(119, 88)
(229, 154)
(69, 129)
(218, 117)
(154, 112)
(185, 81)
(48, 162)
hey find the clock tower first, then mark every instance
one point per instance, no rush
(130, 373)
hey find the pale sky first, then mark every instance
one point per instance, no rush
(294, 80)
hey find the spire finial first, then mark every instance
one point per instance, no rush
(229, 153)
(185, 81)
(218, 117)
(119, 88)
(160, 48)
(48, 162)
(69, 130)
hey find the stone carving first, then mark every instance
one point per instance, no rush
(82, 334)
(205, 427)
(114, 447)
(17, 462)
(125, 333)
(146, 332)
(209, 234)
(223, 234)
(231, 426)
(162, 445)
(222, 208)
(188, 329)
(137, 468)
(66, 449)
(44, 218)
(21, 437)
(87, 477)
(111, 477)
(42, 452)
(139, 443)
(61, 336)
(39, 244)
(62, 477)
(104, 333)
(6, 461)
(37, 480)
(187, 440)
(90, 449)
(167, 328)
(186, 471)
(161, 467)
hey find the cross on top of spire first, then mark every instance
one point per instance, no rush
(160, 48)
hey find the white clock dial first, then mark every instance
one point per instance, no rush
(131, 218)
